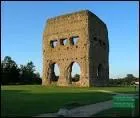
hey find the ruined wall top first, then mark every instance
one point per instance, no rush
(68, 16)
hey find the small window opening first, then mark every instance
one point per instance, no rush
(74, 40)
(104, 44)
(53, 43)
(63, 41)
(95, 39)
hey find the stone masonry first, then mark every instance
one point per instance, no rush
(91, 51)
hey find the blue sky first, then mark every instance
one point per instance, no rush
(23, 24)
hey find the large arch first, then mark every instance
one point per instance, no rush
(71, 74)
(53, 72)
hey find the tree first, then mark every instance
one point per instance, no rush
(130, 76)
(27, 73)
(37, 79)
(9, 70)
(30, 67)
(12, 74)
(76, 78)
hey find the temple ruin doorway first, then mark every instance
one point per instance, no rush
(54, 72)
(73, 72)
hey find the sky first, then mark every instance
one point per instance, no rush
(23, 23)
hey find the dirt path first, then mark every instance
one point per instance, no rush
(87, 110)
(84, 111)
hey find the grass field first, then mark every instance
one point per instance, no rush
(117, 112)
(31, 100)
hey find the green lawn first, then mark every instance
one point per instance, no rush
(118, 112)
(31, 100)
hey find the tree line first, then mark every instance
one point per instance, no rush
(24, 74)
(126, 81)
(129, 80)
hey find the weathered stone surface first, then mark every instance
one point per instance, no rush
(91, 51)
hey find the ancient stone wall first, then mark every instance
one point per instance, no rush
(98, 51)
(86, 52)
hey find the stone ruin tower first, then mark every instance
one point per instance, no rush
(91, 51)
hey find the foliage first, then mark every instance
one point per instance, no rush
(9, 70)
(126, 81)
(25, 74)
(12, 74)
(76, 78)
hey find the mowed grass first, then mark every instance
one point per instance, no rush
(31, 100)
(119, 112)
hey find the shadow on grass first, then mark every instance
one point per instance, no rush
(120, 112)
(130, 92)
(28, 103)
(114, 112)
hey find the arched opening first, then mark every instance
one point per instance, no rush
(54, 72)
(73, 72)
(99, 71)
